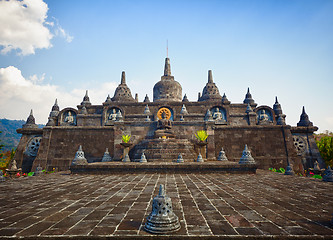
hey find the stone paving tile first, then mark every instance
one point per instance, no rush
(266, 204)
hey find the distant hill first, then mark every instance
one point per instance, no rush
(8, 136)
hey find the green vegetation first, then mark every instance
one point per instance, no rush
(280, 170)
(126, 138)
(201, 135)
(325, 146)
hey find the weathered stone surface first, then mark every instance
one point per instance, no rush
(328, 175)
(265, 205)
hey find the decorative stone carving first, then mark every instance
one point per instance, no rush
(30, 123)
(106, 156)
(79, 157)
(108, 99)
(146, 111)
(210, 91)
(147, 118)
(246, 157)
(277, 107)
(181, 118)
(143, 158)
(119, 117)
(39, 170)
(69, 118)
(86, 100)
(200, 159)
(263, 117)
(136, 97)
(33, 146)
(183, 110)
(167, 89)
(113, 115)
(304, 120)
(328, 175)
(248, 97)
(185, 99)
(164, 127)
(180, 158)
(53, 114)
(13, 170)
(300, 144)
(225, 100)
(126, 158)
(217, 115)
(162, 219)
(146, 100)
(208, 116)
(222, 156)
(248, 109)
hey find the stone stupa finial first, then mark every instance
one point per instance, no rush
(304, 120)
(210, 91)
(185, 99)
(246, 157)
(210, 76)
(86, 100)
(225, 99)
(146, 99)
(248, 97)
(167, 67)
(55, 106)
(30, 123)
(277, 107)
(123, 78)
(108, 99)
(122, 92)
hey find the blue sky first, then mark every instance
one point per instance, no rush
(277, 48)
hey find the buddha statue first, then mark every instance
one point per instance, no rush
(164, 127)
(217, 115)
(263, 117)
(113, 115)
(69, 118)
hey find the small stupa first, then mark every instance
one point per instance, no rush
(106, 156)
(222, 156)
(162, 219)
(79, 157)
(246, 157)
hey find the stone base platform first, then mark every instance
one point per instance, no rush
(264, 205)
(167, 167)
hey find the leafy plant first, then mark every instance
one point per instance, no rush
(281, 170)
(317, 176)
(31, 174)
(126, 138)
(325, 146)
(201, 135)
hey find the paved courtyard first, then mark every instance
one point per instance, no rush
(262, 205)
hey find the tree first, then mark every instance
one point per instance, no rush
(325, 146)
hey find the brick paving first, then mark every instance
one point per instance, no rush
(262, 205)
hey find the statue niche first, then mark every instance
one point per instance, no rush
(69, 118)
(113, 115)
(164, 127)
(264, 117)
(218, 115)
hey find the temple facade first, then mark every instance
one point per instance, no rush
(165, 128)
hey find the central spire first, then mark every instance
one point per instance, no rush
(167, 68)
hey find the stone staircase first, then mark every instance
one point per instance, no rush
(164, 150)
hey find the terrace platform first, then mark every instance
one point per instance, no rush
(164, 167)
(264, 205)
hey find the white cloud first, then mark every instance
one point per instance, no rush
(20, 94)
(23, 27)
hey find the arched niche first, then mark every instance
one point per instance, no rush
(113, 114)
(68, 117)
(219, 113)
(265, 115)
